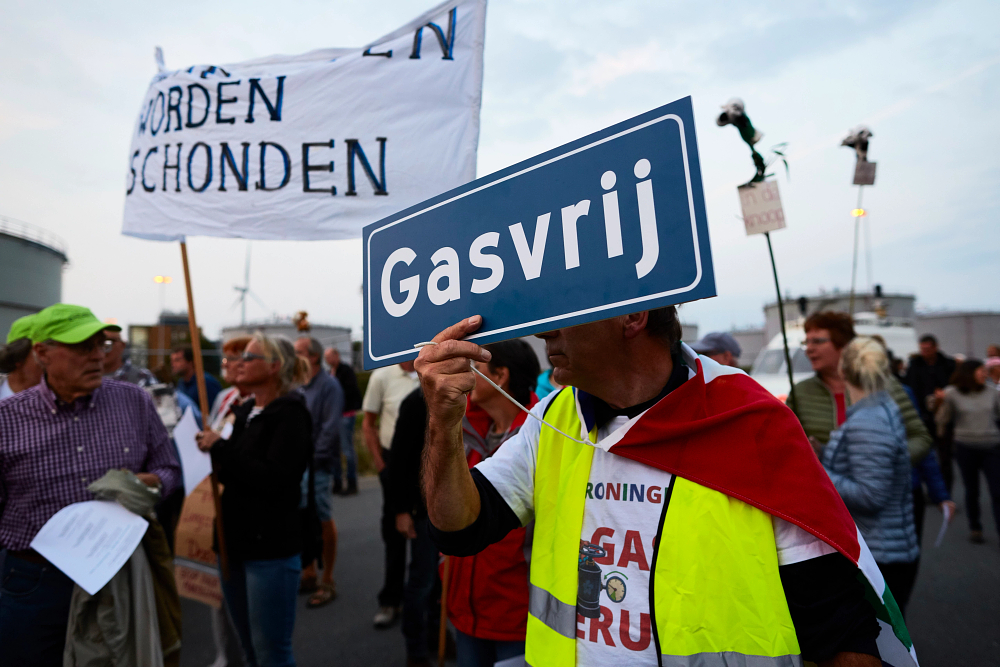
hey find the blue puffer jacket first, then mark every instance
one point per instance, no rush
(867, 460)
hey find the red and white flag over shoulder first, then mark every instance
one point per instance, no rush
(312, 146)
(724, 431)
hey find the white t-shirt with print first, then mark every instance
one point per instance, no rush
(621, 516)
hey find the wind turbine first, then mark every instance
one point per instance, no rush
(245, 291)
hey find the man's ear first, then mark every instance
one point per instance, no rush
(503, 375)
(634, 324)
(41, 351)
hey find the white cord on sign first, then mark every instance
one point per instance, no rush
(512, 399)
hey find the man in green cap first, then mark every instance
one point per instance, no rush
(57, 438)
(17, 362)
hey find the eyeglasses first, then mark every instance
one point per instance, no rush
(816, 342)
(232, 359)
(250, 356)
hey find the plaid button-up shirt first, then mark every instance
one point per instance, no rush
(50, 451)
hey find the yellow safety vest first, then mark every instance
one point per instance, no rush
(718, 596)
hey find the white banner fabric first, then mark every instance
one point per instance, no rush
(313, 146)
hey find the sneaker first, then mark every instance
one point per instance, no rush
(338, 487)
(976, 537)
(351, 490)
(386, 616)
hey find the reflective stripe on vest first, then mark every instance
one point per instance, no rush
(730, 659)
(718, 595)
(557, 615)
(725, 659)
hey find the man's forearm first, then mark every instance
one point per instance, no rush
(371, 436)
(452, 497)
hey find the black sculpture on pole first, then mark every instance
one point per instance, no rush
(734, 113)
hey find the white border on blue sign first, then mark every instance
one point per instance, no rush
(586, 311)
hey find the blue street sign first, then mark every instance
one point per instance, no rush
(606, 225)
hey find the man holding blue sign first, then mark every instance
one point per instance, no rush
(681, 517)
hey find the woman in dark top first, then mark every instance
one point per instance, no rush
(261, 466)
(972, 405)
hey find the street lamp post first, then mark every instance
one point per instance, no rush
(162, 281)
(858, 213)
(864, 174)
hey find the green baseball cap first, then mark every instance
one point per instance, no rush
(23, 327)
(66, 323)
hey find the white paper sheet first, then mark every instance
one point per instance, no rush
(90, 541)
(196, 465)
(945, 520)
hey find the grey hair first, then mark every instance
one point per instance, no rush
(315, 347)
(293, 371)
(865, 364)
(13, 354)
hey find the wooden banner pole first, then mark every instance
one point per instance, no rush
(199, 374)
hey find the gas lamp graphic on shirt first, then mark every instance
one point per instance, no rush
(591, 582)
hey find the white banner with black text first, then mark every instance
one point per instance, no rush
(313, 146)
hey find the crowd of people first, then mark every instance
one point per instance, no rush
(884, 437)
(465, 471)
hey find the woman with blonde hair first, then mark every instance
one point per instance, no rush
(261, 466)
(868, 462)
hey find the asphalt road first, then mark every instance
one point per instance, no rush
(954, 615)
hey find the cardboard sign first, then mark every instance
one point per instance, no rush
(761, 206)
(195, 562)
(864, 173)
(610, 224)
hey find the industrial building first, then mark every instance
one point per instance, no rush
(967, 333)
(961, 332)
(31, 265)
(150, 344)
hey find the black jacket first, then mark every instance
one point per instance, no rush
(924, 378)
(349, 383)
(403, 489)
(261, 468)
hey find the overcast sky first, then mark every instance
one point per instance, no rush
(923, 75)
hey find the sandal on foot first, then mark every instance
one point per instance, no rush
(325, 594)
(307, 584)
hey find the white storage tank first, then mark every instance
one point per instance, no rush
(31, 264)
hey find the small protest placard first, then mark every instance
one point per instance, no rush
(864, 173)
(761, 205)
(195, 562)
(607, 225)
